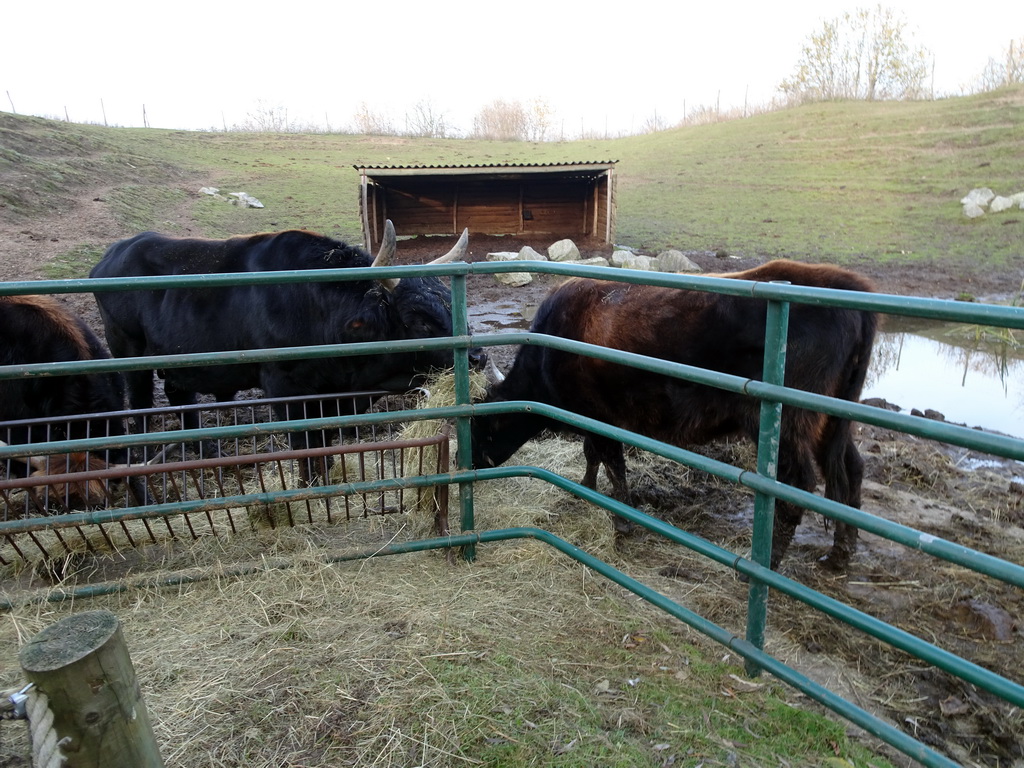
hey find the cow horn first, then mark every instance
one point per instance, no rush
(458, 251)
(386, 255)
(495, 372)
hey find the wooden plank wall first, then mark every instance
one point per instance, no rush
(557, 207)
(565, 207)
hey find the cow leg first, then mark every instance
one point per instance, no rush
(602, 450)
(796, 468)
(843, 480)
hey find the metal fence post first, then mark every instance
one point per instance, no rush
(776, 332)
(460, 327)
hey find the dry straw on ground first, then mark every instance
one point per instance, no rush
(305, 662)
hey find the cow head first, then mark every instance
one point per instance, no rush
(422, 306)
(496, 437)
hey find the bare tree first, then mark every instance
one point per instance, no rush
(865, 54)
(427, 120)
(265, 118)
(372, 122)
(541, 120)
(502, 121)
(513, 121)
(654, 123)
(1010, 70)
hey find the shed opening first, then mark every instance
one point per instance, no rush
(575, 199)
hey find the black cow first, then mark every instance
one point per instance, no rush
(180, 320)
(828, 353)
(37, 329)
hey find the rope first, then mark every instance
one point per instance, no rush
(45, 747)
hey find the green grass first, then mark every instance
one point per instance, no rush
(617, 705)
(834, 182)
(73, 264)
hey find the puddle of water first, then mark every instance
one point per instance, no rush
(492, 316)
(926, 365)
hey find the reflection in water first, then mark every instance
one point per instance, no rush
(921, 364)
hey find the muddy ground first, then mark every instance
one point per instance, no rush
(951, 493)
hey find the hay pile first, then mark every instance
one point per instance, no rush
(408, 660)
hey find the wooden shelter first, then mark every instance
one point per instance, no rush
(574, 199)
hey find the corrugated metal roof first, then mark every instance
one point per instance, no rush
(578, 164)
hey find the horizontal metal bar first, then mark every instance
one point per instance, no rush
(932, 545)
(937, 309)
(256, 429)
(234, 357)
(223, 279)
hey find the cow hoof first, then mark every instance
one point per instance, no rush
(623, 527)
(837, 562)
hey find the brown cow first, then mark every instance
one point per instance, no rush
(828, 353)
(37, 329)
(75, 491)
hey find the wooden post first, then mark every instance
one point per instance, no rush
(82, 664)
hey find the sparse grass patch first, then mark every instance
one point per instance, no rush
(73, 264)
(139, 206)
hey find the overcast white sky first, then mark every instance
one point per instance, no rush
(603, 67)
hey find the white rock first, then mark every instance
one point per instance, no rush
(514, 279)
(1000, 203)
(676, 261)
(973, 210)
(980, 196)
(245, 200)
(593, 261)
(639, 261)
(618, 257)
(502, 256)
(526, 253)
(563, 250)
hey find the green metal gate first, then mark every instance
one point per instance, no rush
(773, 395)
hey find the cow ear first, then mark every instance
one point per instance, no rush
(386, 255)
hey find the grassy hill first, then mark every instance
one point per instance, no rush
(832, 182)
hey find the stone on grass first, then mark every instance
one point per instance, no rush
(619, 256)
(639, 261)
(1000, 203)
(563, 250)
(676, 261)
(981, 197)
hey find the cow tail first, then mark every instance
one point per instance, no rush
(840, 462)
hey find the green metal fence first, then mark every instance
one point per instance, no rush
(774, 396)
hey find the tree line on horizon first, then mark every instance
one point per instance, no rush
(866, 54)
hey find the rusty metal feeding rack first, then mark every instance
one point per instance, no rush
(177, 489)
